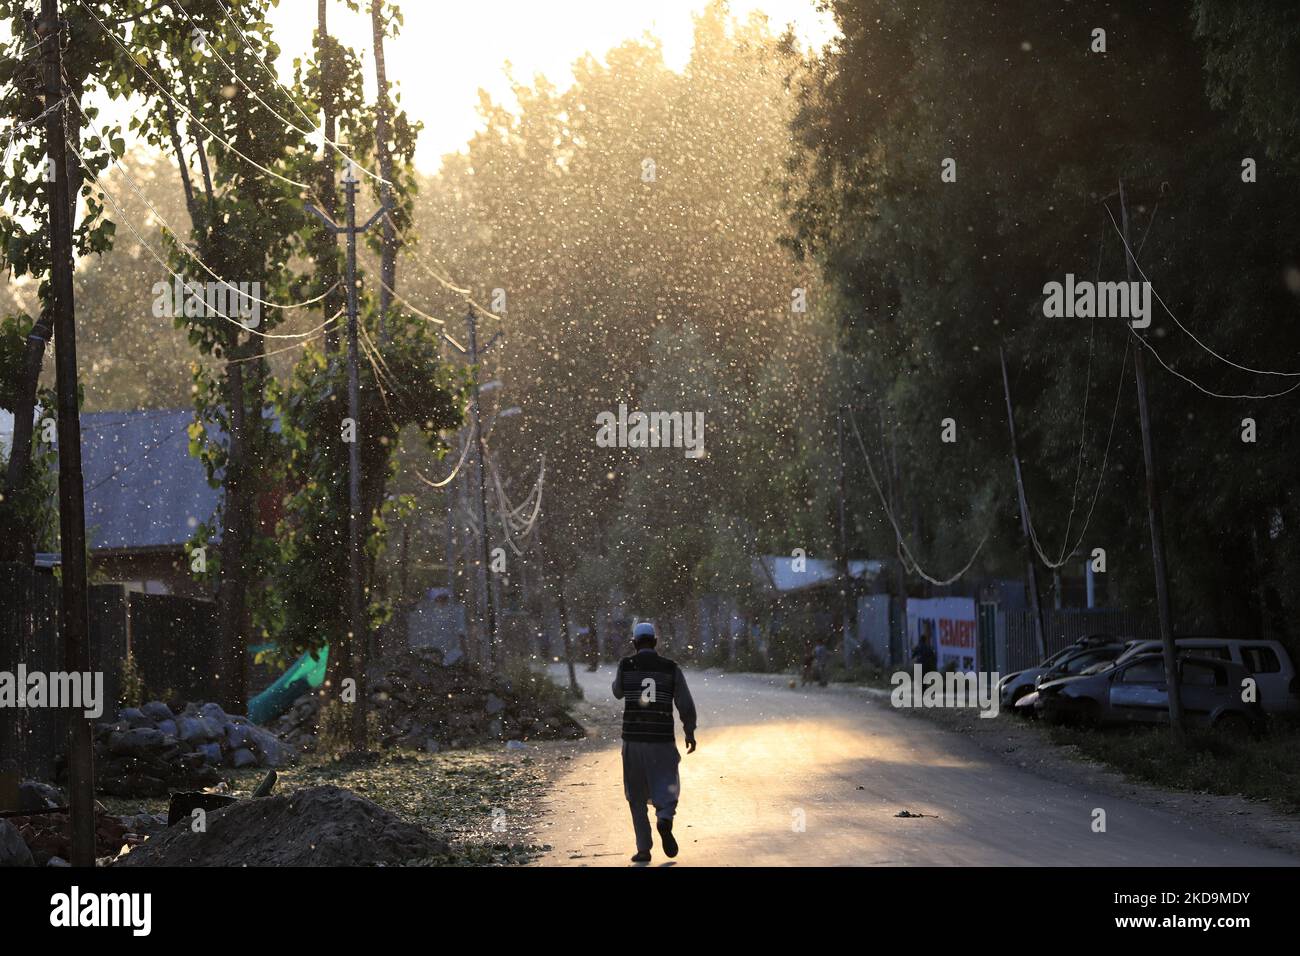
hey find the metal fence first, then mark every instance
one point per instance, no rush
(1063, 627)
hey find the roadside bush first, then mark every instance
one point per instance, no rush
(1210, 761)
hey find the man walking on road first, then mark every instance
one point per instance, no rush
(648, 686)
(924, 654)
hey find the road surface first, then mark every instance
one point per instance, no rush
(817, 776)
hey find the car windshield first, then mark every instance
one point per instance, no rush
(1078, 661)
(1137, 647)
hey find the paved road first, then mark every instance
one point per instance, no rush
(816, 776)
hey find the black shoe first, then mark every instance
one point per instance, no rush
(665, 828)
(644, 856)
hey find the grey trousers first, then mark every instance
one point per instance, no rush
(650, 776)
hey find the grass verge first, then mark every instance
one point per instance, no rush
(480, 798)
(1267, 768)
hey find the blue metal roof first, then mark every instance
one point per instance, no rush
(143, 489)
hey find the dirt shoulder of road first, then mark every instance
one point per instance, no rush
(1026, 745)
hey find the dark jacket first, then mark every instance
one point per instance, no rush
(649, 685)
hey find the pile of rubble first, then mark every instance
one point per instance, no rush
(422, 704)
(150, 751)
(315, 826)
(39, 838)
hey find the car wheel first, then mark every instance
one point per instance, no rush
(1084, 713)
(1234, 725)
(1015, 704)
(1090, 714)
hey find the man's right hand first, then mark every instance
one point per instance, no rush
(690, 745)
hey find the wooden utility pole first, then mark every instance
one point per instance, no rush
(356, 600)
(562, 606)
(846, 581)
(900, 577)
(1154, 516)
(1030, 561)
(482, 496)
(356, 605)
(383, 125)
(329, 196)
(75, 618)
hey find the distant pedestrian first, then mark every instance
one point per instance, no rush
(809, 663)
(821, 655)
(649, 685)
(593, 637)
(924, 655)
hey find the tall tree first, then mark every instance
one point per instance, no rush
(1037, 112)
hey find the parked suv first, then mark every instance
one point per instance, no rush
(1266, 661)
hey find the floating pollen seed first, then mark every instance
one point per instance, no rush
(228, 91)
(1292, 279)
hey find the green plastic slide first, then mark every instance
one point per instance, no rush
(307, 672)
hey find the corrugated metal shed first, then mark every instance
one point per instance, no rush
(777, 571)
(143, 489)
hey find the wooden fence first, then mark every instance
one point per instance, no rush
(172, 640)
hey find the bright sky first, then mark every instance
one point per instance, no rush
(447, 51)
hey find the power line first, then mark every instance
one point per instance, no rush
(514, 513)
(1087, 394)
(18, 127)
(904, 553)
(175, 102)
(22, 65)
(464, 454)
(257, 96)
(193, 253)
(372, 353)
(271, 73)
(447, 282)
(1066, 550)
(1201, 388)
(401, 301)
(521, 530)
(1189, 332)
(287, 348)
(176, 275)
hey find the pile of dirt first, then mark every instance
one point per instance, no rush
(150, 751)
(422, 704)
(315, 826)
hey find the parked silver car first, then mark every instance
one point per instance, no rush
(1135, 691)
(1012, 687)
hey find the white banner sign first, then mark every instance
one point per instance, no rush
(952, 626)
